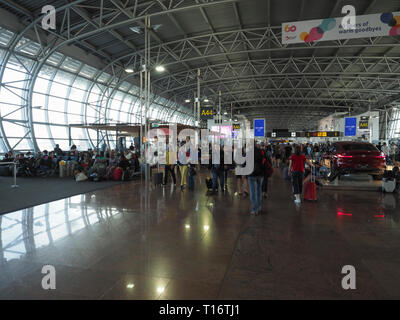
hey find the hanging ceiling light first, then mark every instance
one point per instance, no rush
(137, 30)
(206, 100)
(128, 70)
(160, 68)
(156, 27)
(187, 100)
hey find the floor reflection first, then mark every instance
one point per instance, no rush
(124, 243)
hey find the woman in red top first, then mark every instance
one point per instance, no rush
(296, 170)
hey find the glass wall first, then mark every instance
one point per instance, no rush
(65, 91)
(394, 124)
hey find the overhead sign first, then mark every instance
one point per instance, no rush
(322, 134)
(259, 128)
(364, 125)
(236, 126)
(367, 26)
(206, 113)
(350, 127)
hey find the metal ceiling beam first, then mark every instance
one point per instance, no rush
(18, 8)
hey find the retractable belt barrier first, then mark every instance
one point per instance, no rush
(15, 172)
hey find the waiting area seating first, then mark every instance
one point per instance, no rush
(81, 165)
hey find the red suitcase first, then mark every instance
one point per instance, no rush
(310, 188)
(117, 175)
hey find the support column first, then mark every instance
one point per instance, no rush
(198, 95)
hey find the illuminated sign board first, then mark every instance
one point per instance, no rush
(206, 113)
(350, 127)
(364, 125)
(259, 128)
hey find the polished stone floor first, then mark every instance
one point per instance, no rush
(118, 243)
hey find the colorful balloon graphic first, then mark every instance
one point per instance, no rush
(317, 33)
(303, 36)
(386, 17)
(395, 31)
(328, 24)
(392, 21)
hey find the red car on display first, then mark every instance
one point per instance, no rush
(348, 157)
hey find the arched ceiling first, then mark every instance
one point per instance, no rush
(236, 44)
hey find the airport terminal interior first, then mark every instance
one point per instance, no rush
(199, 150)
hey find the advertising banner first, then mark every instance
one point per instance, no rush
(367, 26)
(259, 128)
(350, 127)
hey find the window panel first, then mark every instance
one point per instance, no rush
(5, 36)
(44, 144)
(38, 100)
(81, 83)
(59, 90)
(39, 115)
(56, 117)
(13, 130)
(19, 144)
(56, 104)
(71, 65)
(66, 98)
(55, 58)
(41, 131)
(59, 132)
(88, 71)
(77, 94)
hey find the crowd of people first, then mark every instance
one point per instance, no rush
(92, 164)
(296, 161)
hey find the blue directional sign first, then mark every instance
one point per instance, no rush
(259, 128)
(350, 127)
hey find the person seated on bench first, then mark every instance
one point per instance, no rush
(85, 163)
(100, 165)
(112, 164)
(124, 164)
(135, 166)
(57, 151)
(45, 163)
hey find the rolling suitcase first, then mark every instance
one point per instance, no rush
(310, 188)
(117, 174)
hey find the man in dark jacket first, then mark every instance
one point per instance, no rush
(256, 181)
(217, 172)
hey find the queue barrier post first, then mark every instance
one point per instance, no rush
(15, 176)
(15, 173)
